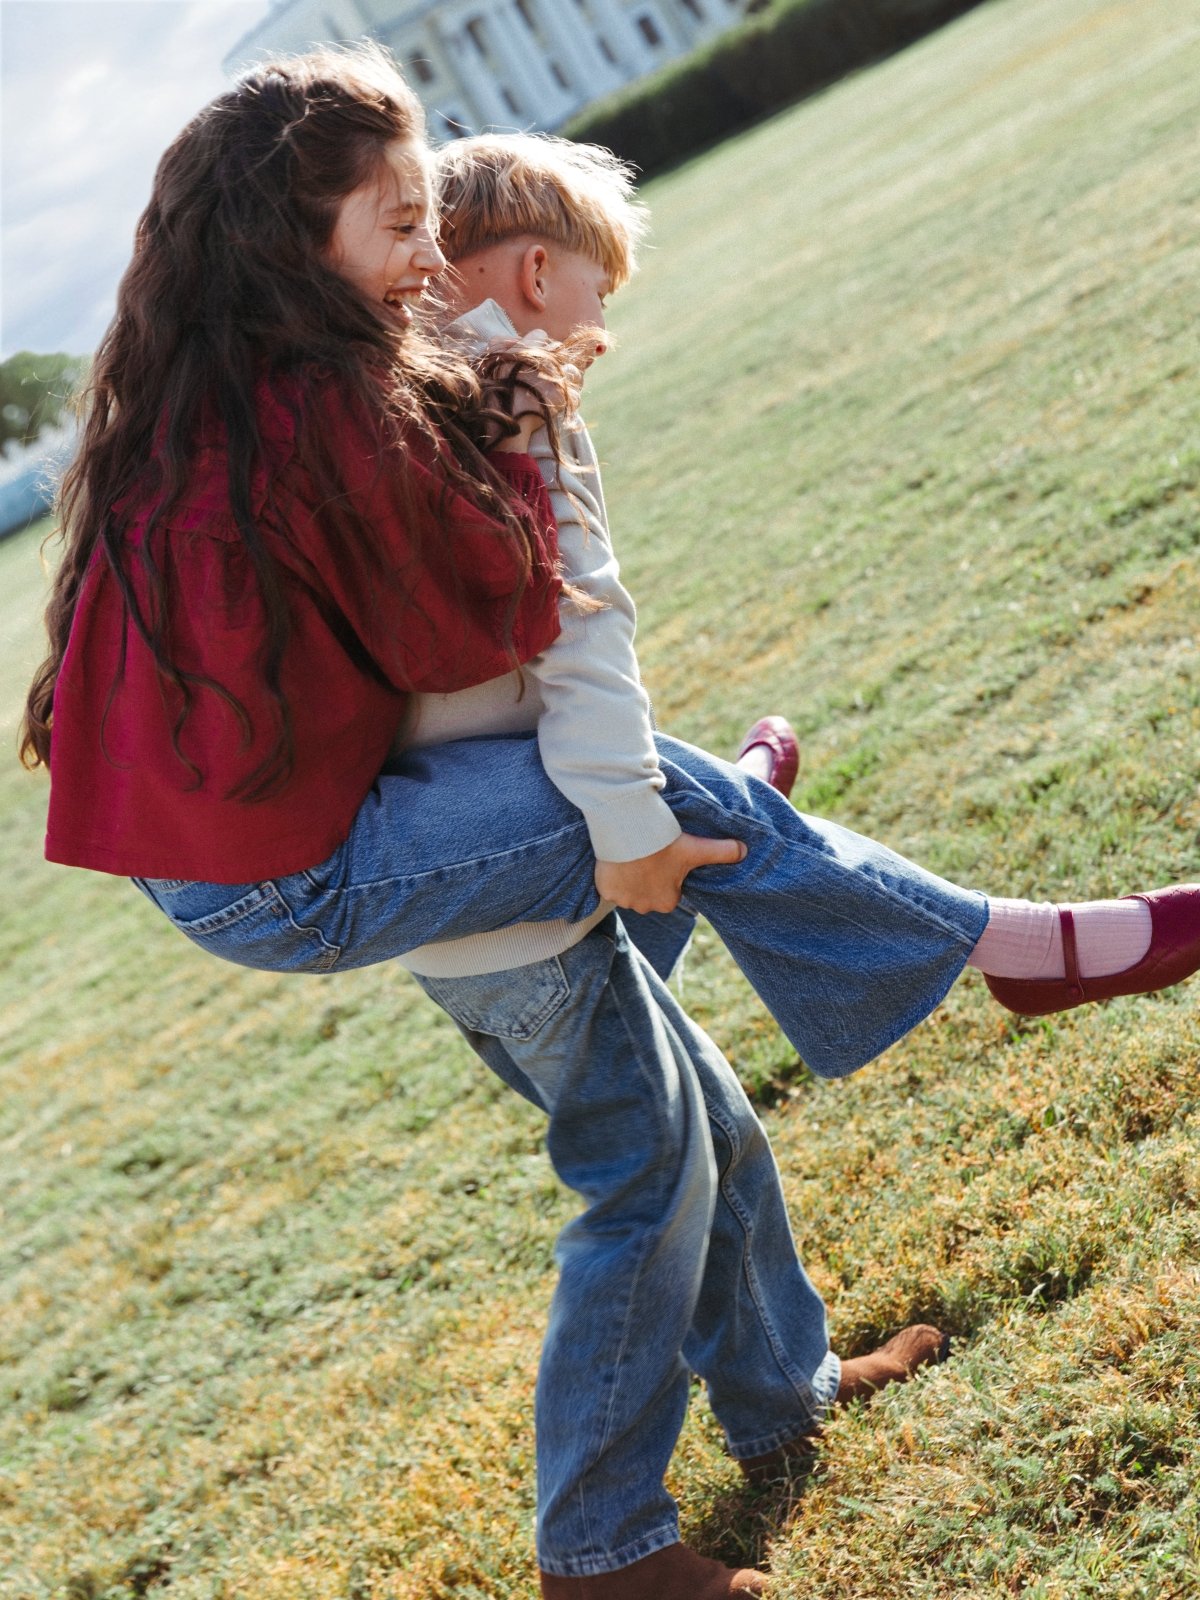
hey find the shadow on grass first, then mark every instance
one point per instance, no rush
(741, 1523)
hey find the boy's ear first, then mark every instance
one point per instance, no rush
(531, 275)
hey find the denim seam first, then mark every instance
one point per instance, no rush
(801, 1386)
(613, 1561)
(623, 1348)
(531, 1021)
(779, 1438)
(770, 1442)
(614, 1384)
(751, 825)
(262, 897)
(331, 952)
(531, 847)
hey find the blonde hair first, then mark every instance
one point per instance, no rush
(499, 186)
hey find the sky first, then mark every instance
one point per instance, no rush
(91, 94)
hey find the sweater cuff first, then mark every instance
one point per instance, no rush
(636, 824)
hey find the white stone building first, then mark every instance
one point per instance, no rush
(500, 63)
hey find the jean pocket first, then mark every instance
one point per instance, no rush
(329, 876)
(507, 1005)
(260, 930)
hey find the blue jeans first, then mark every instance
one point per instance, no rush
(682, 1260)
(683, 1257)
(848, 944)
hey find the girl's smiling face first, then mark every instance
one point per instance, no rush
(384, 241)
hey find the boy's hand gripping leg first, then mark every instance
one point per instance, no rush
(655, 882)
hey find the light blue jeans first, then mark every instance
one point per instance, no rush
(682, 1260)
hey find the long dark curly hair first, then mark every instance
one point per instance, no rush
(228, 288)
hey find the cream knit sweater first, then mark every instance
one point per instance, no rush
(583, 696)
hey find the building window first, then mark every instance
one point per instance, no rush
(421, 69)
(560, 76)
(510, 100)
(696, 9)
(649, 30)
(476, 35)
(453, 126)
(527, 16)
(606, 50)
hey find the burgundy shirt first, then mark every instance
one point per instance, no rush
(364, 633)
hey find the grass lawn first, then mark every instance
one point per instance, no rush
(902, 439)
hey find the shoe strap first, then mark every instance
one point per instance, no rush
(1066, 919)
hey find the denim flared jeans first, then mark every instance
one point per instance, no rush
(681, 1260)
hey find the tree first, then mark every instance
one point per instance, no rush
(34, 391)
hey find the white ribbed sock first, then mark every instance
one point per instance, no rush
(757, 761)
(1023, 939)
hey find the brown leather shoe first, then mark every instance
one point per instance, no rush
(894, 1362)
(675, 1573)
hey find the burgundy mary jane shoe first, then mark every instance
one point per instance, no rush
(1174, 954)
(776, 735)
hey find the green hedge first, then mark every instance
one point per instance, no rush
(789, 50)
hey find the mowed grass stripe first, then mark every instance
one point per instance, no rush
(900, 438)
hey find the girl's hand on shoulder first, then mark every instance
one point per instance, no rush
(655, 882)
(518, 443)
(530, 373)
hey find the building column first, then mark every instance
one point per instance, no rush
(682, 32)
(592, 75)
(625, 36)
(543, 98)
(484, 99)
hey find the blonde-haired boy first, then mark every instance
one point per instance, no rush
(501, 188)
(662, 1269)
(539, 232)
